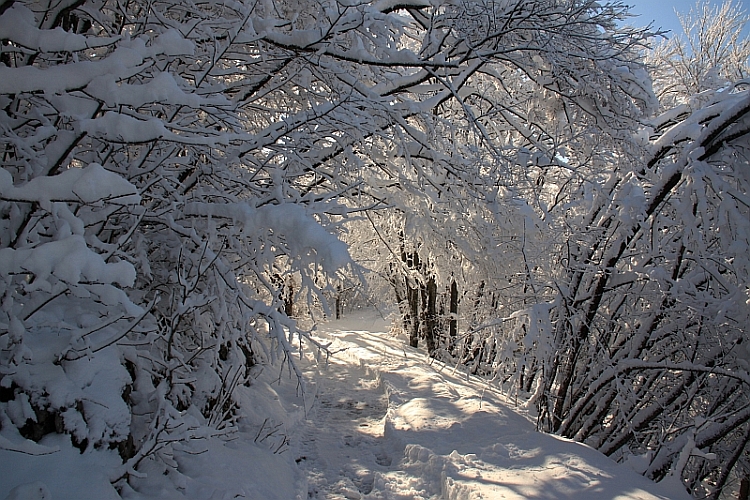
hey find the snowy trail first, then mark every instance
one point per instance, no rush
(342, 443)
(385, 424)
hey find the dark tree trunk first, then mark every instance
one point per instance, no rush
(431, 318)
(470, 351)
(289, 297)
(338, 301)
(412, 294)
(411, 259)
(453, 310)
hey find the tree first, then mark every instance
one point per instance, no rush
(641, 347)
(711, 53)
(626, 321)
(138, 247)
(661, 300)
(510, 123)
(168, 166)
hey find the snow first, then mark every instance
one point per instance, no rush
(161, 88)
(68, 259)
(122, 63)
(387, 5)
(390, 423)
(216, 470)
(18, 24)
(58, 79)
(234, 466)
(64, 473)
(377, 421)
(122, 128)
(172, 43)
(303, 234)
(88, 185)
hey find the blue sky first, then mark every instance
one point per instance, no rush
(662, 12)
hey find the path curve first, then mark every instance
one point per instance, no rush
(384, 422)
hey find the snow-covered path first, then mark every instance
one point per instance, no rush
(342, 445)
(377, 422)
(385, 424)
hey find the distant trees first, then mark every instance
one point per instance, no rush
(497, 142)
(712, 51)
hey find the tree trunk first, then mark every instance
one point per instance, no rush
(431, 318)
(411, 259)
(412, 294)
(470, 351)
(338, 301)
(289, 297)
(744, 489)
(453, 322)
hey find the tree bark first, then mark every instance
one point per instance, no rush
(338, 301)
(453, 322)
(412, 294)
(432, 332)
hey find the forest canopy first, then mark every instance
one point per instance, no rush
(551, 199)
